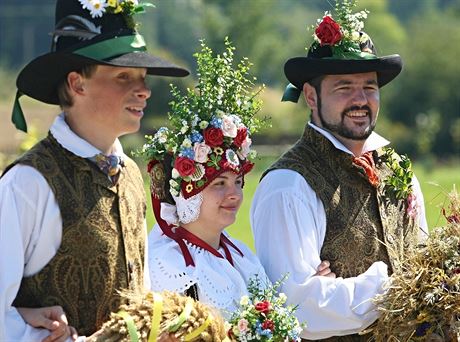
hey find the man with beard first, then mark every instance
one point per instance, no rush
(339, 194)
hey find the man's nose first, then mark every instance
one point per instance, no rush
(360, 97)
(143, 91)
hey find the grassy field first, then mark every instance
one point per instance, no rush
(436, 182)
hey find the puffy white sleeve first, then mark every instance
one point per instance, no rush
(289, 225)
(27, 204)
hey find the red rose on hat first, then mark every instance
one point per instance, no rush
(241, 135)
(263, 307)
(213, 136)
(328, 32)
(184, 166)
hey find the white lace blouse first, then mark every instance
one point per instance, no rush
(219, 283)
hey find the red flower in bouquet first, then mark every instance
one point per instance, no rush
(328, 31)
(263, 307)
(268, 324)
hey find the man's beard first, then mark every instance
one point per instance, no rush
(341, 130)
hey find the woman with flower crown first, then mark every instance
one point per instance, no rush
(197, 171)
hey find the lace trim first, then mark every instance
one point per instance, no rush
(188, 209)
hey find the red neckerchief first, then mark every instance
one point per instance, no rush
(366, 161)
(179, 234)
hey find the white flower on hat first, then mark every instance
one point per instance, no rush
(97, 7)
(232, 158)
(86, 4)
(175, 173)
(204, 124)
(228, 127)
(187, 142)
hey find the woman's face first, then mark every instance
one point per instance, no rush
(221, 200)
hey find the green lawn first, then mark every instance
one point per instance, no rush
(436, 182)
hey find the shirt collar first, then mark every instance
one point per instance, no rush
(73, 143)
(373, 142)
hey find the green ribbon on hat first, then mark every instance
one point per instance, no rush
(113, 47)
(17, 116)
(291, 93)
(353, 55)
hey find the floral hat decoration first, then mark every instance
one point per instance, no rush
(211, 133)
(88, 32)
(340, 46)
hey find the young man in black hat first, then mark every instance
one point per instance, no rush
(72, 210)
(338, 194)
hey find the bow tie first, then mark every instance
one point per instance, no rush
(110, 165)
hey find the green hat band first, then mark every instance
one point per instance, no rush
(113, 47)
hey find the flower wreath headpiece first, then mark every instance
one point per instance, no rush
(211, 129)
(211, 134)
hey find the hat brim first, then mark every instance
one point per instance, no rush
(40, 78)
(300, 70)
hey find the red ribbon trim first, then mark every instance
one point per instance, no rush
(179, 234)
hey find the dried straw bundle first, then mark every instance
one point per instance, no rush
(422, 301)
(140, 306)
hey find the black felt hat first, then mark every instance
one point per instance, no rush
(338, 50)
(86, 35)
(321, 61)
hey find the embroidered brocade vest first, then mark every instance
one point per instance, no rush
(103, 237)
(359, 216)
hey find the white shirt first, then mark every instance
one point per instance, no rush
(289, 225)
(31, 230)
(220, 284)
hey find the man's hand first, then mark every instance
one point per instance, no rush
(324, 270)
(52, 318)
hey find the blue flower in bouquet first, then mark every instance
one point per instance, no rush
(264, 316)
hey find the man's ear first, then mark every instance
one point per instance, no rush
(309, 92)
(75, 82)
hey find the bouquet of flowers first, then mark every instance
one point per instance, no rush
(422, 301)
(263, 315)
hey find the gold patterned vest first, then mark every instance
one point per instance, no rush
(103, 237)
(359, 216)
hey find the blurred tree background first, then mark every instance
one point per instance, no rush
(420, 111)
